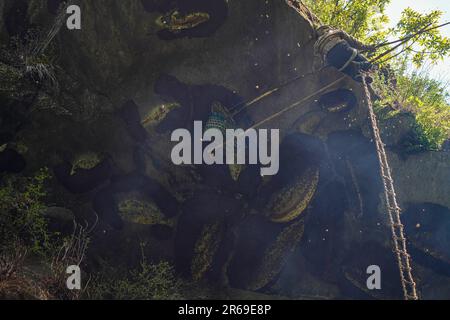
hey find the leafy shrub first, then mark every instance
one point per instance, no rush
(21, 213)
(364, 19)
(426, 98)
(147, 282)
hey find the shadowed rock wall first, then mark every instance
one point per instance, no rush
(122, 66)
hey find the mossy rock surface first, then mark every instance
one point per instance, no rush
(158, 113)
(142, 212)
(86, 161)
(276, 255)
(261, 251)
(289, 203)
(205, 249)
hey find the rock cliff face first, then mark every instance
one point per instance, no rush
(423, 177)
(135, 71)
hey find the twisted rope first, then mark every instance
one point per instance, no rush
(393, 209)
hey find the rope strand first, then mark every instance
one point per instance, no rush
(292, 106)
(393, 209)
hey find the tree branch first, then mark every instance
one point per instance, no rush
(407, 38)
